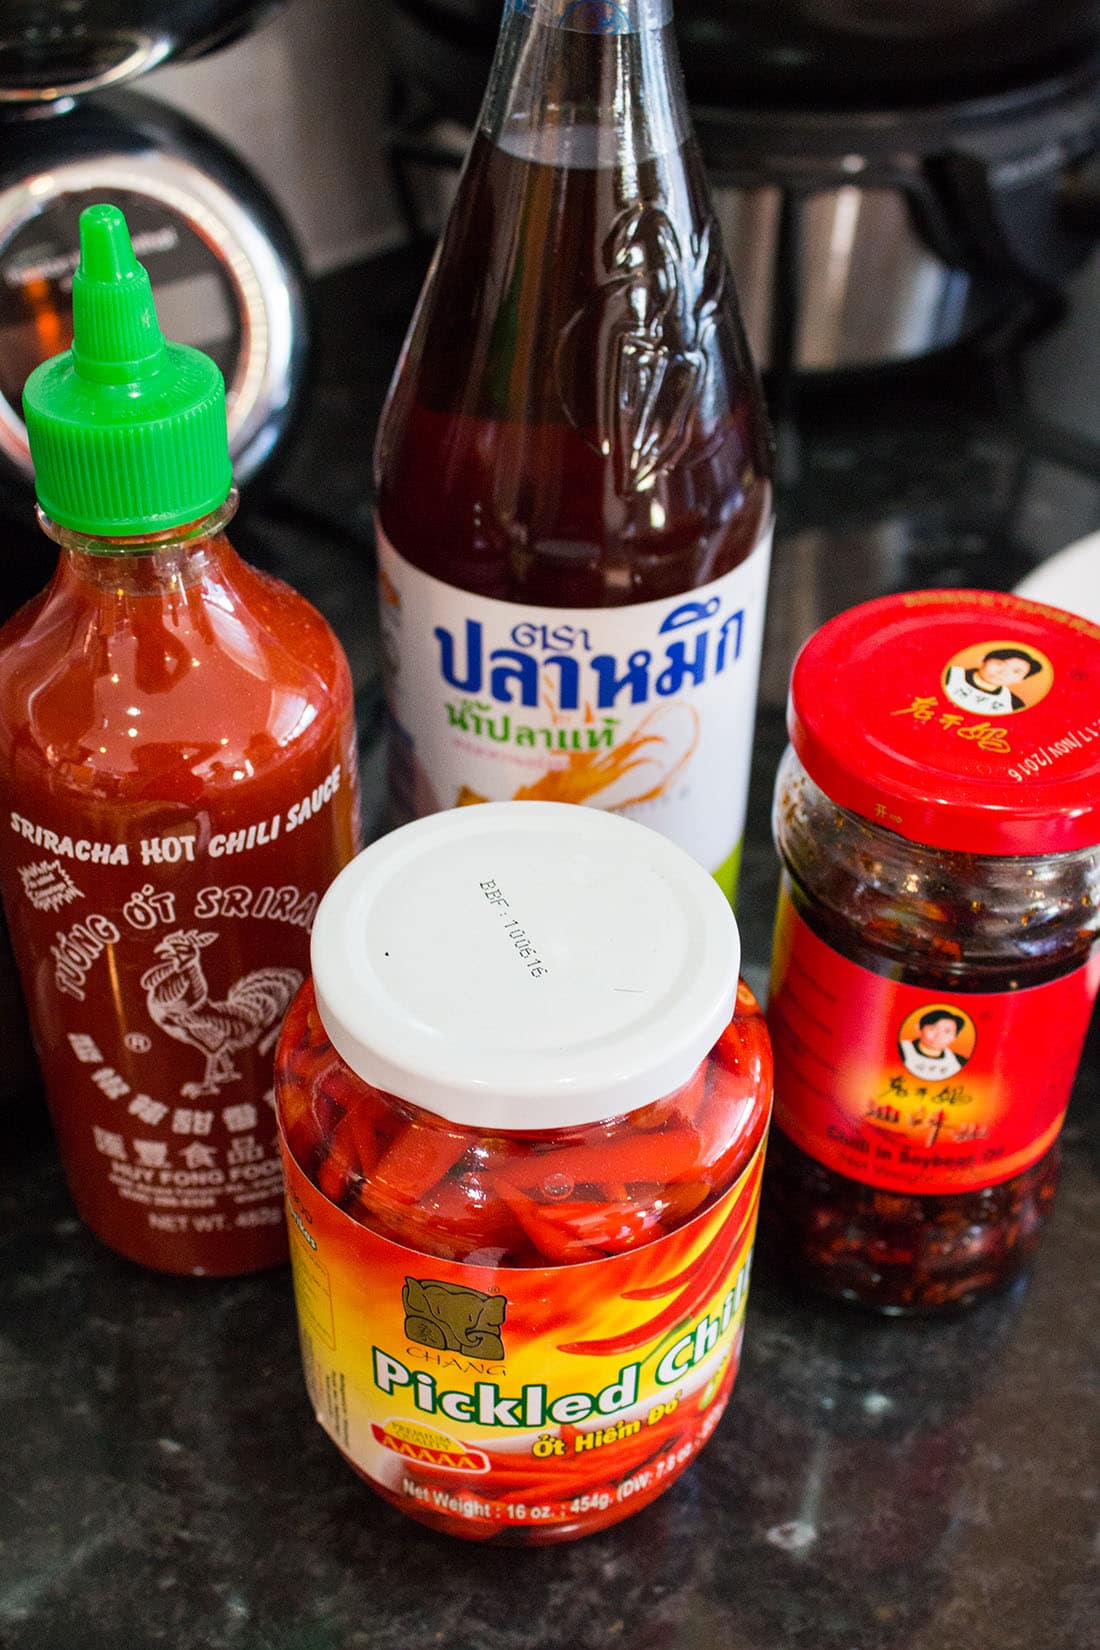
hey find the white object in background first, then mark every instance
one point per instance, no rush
(1069, 579)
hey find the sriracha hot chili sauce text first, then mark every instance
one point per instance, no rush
(936, 958)
(179, 785)
(523, 1104)
(573, 469)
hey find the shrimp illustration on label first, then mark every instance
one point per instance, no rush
(641, 768)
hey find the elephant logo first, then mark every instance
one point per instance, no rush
(451, 1318)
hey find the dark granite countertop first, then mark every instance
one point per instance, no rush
(874, 1485)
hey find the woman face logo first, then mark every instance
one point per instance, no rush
(998, 678)
(940, 1033)
(936, 1041)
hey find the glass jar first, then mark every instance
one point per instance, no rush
(523, 1104)
(920, 963)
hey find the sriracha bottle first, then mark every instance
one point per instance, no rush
(573, 469)
(178, 786)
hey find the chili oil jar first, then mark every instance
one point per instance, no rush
(935, 961)
(523, 1104)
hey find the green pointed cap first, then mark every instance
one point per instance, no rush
(127, 432)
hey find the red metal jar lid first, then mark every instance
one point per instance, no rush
(963, 719)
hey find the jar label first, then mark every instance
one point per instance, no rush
(159, 947)
(511, 1397)
(910, 1088)
(646, 709)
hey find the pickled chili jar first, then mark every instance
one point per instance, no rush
(523, 1103)
(936, 960)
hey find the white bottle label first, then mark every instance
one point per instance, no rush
(647, 709)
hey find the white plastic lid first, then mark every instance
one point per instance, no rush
(525, 965)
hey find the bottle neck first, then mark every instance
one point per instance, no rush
(602, 17)
(144, 564)
(586, 83)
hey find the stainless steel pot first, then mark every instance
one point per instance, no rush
(873, 237)
(873, 51)
(871, 291)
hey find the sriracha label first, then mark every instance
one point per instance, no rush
(646, 709)
(510, 1397)
(910, 1088)
(167, 943)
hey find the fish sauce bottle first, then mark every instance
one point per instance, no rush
(178, 784)
(573, 470)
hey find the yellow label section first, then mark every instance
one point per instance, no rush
(498, 1397)
(728, 873)
(312, 1286)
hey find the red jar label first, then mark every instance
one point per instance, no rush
(913, 1089)
(520, 1398)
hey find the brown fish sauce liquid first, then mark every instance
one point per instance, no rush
(577, 342)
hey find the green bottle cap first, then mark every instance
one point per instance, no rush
(127, 432)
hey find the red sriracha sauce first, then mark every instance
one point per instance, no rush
(178, 773)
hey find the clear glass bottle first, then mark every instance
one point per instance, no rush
(574, 601)
(920, 965)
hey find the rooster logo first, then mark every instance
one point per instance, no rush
(178, 999)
